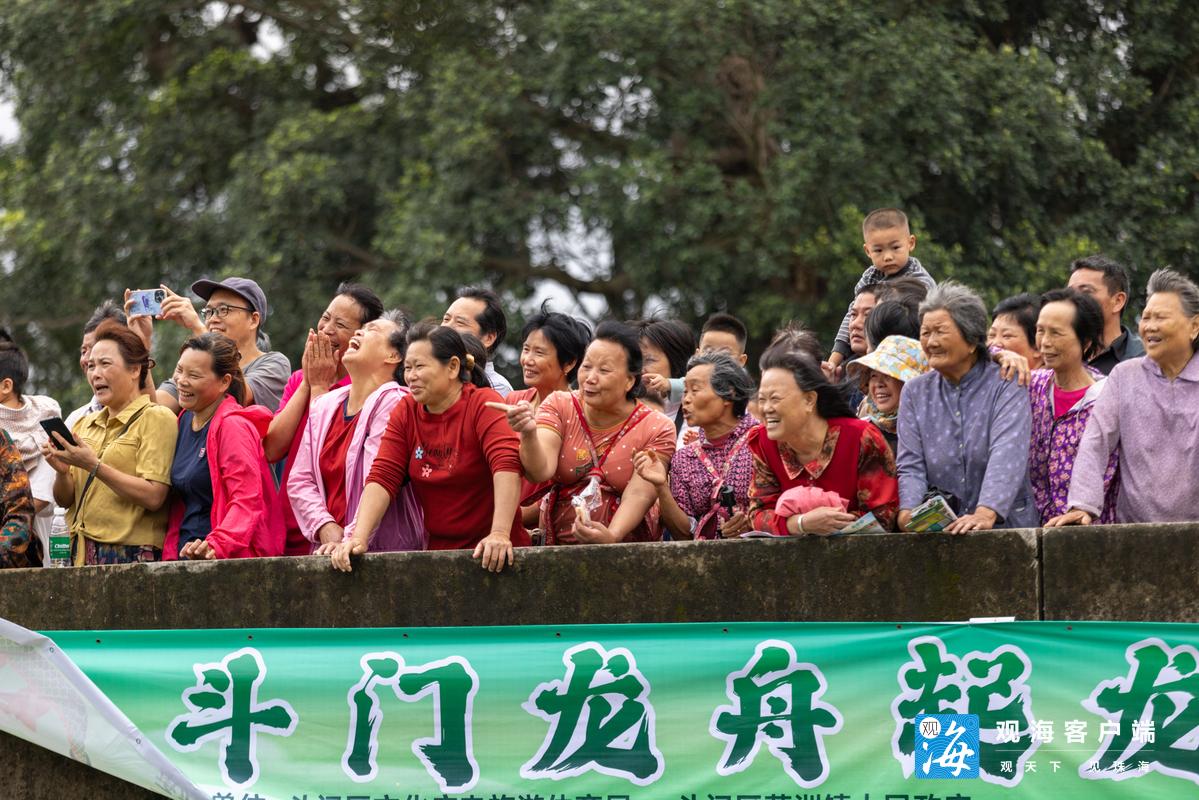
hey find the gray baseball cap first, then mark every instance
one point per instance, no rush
(245, 287)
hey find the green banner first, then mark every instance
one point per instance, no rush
(745, 711)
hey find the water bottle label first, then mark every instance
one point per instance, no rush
(60, 547)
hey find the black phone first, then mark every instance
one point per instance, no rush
(728, 500)
(56, 425)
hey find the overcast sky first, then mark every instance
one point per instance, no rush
(8, 125)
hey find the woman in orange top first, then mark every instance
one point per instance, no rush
(584, 442)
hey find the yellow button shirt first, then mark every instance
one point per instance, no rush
(145, 449)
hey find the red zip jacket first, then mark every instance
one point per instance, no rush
(247, 517)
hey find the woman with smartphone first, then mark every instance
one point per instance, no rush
(226, 505)
(113, 480)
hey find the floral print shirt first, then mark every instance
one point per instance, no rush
(1054, 446)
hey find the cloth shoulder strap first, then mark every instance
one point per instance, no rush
(639, 413)
(722, 475)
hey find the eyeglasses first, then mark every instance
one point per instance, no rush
(222, 311)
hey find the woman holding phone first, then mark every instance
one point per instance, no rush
(114, 479)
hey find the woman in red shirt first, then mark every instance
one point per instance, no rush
(461, 457)
(810, 437)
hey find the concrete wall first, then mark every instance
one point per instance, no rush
(1135, 572)
(886, 577)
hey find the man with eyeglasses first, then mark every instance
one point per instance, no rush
(235, 307)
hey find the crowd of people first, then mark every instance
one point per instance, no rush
(394, 435)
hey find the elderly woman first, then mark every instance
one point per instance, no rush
(1014, 327)
(1148, 415)
(341, 440)
(963, 429)
(114, 480)
(882, 374)
(809, 437)
(553, 346)
(713, 472)
(226, 504)
(455, 450)
(1069, 332)
(585, 442)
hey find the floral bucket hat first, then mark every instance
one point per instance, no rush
(898, 356)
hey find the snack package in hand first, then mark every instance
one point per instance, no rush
(580, 507)
(591, 500)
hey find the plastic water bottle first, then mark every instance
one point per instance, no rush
(60, 540)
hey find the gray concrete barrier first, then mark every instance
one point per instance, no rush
(1136, 573)
(870, 578)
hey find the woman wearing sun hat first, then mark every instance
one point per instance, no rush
(882, 373)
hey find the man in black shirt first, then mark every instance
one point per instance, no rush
(1107, 281)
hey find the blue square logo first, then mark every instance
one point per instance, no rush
(947, 746)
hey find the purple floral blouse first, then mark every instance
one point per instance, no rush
(691, 483)
(1054, 445)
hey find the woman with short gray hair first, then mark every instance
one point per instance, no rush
(1149, 415)
(963, 429)
(706, 493)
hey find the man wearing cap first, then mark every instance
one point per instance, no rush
(235, 307)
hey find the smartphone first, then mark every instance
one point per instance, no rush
(56, 425)
(147, 302)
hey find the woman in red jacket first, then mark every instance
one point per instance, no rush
(461, 457)
(226, 505)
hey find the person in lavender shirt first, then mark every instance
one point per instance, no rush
(1149, 415)
(963, 429)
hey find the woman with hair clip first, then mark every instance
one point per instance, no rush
(114, 480)
(810, 438)
(585, 441)
(226, 505)
(341, 441)
(457, 453)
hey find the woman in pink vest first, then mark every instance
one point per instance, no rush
(225, 504)
(810, 437)
(341, 438)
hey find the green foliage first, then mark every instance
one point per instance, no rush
(713, 155)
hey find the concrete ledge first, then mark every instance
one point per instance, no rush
(902, 577)
(1136, 573)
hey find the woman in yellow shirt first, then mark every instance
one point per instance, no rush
(114, 480)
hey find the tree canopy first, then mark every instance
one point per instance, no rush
(685, 156)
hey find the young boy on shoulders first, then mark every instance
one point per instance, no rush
(889, 242)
